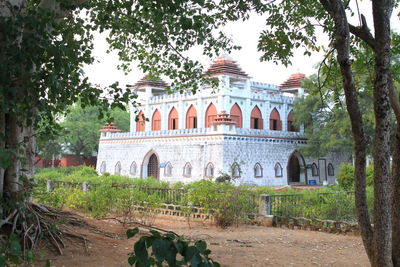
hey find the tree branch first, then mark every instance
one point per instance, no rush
(363, 32)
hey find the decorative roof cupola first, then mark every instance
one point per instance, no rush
(109, 128)
(223, 123)
(150, 85)
(229, 71)
(293, 84)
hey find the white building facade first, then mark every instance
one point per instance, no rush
(243, 128)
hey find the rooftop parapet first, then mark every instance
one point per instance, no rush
(265, 86)
(204, 131)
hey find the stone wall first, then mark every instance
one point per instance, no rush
(220, 146)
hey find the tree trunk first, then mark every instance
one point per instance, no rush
(11, 175)
(396, 199)
(342, 46)
(382, 178)
(2, 147)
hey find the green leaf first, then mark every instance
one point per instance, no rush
(15, 248)
(195, 260)
(201, 246)
(2, 261)
(29, 255)
(155, 233)
(190, 252)
(132, 260)
(141, 251)
(132, 232)
(160, 249)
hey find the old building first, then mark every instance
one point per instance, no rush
(243, 128)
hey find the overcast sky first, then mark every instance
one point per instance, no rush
(245, 34)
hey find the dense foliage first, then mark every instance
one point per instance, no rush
(345, 177)
(229, 204)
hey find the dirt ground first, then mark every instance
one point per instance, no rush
(246, 245)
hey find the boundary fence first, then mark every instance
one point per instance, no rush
(337, 206)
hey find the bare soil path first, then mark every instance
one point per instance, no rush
(245, 245)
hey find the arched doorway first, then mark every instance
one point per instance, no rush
(275, 122)
(236, 115)
(191, 118)
(151, 165)
(256, 121)
(211, 114)
(173, 119)
(156, 121)
(296, 169)
(140, 124)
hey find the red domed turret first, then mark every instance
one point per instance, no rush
(294, 81)
(225, 65)
(148, 81)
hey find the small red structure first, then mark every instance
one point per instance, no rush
(110, 128)
(223, 118)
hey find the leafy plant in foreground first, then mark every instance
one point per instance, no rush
(168, 249)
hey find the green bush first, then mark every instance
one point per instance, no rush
(228, 204)
(168, 249)
(345, 176)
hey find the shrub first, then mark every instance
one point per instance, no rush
(168, 250)
(228, 204)
(345, 176)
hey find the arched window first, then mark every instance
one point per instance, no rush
(235, 168)
(256, 121)
(173, 119)
(278, 170)
(132, 169)
(314, 170)
(331, 170)
(290, 123)
(191, 118)
(258, 171)
(168, 169)
(118, 168)
(210, 170)
(187, 170)
(103, 167)
(140, 123)
(156, 121)
(211, 114)
(236, 115)
(275, 122)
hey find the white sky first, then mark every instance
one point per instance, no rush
(245, 34)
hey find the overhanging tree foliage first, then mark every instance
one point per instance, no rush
(43, 47)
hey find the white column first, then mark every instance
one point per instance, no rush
(147, 114)
(284, 115)
(246, 112)
(182, 114)
(200, 112)
(164, 116)
(132, 122)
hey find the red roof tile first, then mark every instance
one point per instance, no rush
(110, 127)
(294, 81)
(148, 81)
(225, 65)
